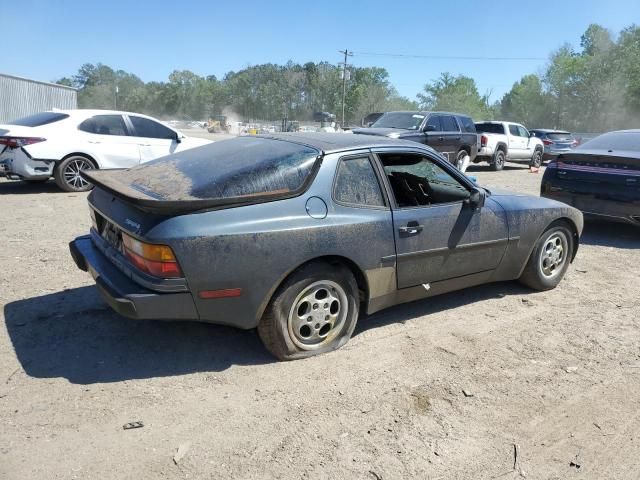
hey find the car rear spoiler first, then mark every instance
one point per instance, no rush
(144, 200)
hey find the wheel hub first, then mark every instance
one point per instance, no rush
(552, 256)
(317, 314)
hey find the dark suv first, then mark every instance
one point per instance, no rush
(452, 134)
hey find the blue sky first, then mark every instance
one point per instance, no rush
(48, 39)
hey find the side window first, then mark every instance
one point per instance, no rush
(467, 124)
(449, 124)
(357, 184)
(513, 130)
(104, 125)
(417, 180)
(434, 120)
(150, 129)
(523, 131)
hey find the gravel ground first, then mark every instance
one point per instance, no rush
(552, 379)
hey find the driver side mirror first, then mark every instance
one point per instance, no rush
(476, 198)
(178, 138)
(429, 128)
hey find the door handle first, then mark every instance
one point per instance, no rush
(93, 141)
(144, 144)
(412, 228)
(440, 138)
(458, 138)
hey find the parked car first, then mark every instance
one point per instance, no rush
(601, 177)
(502, 141)
(296, 233)
(451, 134)
(63, 143)
(555, 141)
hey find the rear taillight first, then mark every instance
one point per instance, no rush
(156, 260)
(575, 143)
(547, 142)
(15, 142)
(484, 140)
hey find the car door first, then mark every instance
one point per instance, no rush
(517, 144)
(439, 234)
(107, 138)
(154, 139)
(433, 132)
(452, 137)
(526, 141)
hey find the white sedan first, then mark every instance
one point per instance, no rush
(62, 143)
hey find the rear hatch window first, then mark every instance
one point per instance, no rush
(225, 172)
(560, 137)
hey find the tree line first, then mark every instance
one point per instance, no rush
(590, 89)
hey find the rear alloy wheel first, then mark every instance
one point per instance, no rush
(461, 162)
(67, 174)
(536, 160)
(550, 259)
(314, 311)
(498, 161)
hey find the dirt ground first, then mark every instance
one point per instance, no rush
(552, 380)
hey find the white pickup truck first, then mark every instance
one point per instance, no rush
(501, 141)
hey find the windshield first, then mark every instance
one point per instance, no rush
(490, 128)
(240, 167)
(402, 120)
(39, 119)
(629, 141)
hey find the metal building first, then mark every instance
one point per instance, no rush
(20, 97)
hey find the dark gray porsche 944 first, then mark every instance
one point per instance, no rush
(296, 234)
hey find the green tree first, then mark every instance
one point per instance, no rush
(457, 94)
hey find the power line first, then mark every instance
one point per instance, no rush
(442, 57)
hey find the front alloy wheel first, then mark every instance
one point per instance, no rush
(550, 258)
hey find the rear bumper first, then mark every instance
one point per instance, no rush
(123, 295)
(17, 164)
(590, 206)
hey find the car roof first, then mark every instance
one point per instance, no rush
(88, 112)
(336, 142)
(428, 112)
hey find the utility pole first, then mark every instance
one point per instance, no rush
(346, 54)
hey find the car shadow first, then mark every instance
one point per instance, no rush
(17, 187)
(73, 334)
(610, 234)
(440, 303)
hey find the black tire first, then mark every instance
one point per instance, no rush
(66, 173)
(535, 274)
(293, 326)
(498, 161)
(536, 159)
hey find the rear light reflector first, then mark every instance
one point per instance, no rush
(15, 142)
(156, 260)
(484, 140)
(547, 142)
(226, 293)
